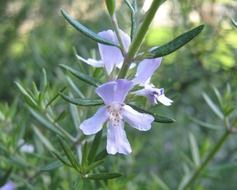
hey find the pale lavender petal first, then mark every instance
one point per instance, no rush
(117, 141)
(146, 69)
(154, 95)
(110, 55)
(164, 100)
(125, 39)
(95, 63)
(149, 93)
(140, 121)
(8, 186)
(92, 62)
(95, 123)
(114, 91)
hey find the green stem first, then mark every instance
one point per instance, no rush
(137, 41)
(207, 160)
(116, 29)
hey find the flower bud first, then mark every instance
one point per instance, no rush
(110, 4)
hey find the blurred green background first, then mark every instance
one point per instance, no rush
(34, 35)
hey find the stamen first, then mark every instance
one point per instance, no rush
(115, 116)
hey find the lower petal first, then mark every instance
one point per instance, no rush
(95, 123)
(117, 141)
(140, 121)
(164, 100)
(92, 62)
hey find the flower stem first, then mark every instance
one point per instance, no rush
(137, 41)
(116, 29)
(207, 160)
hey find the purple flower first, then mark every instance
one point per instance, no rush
(144, 72)
(114, 113)
(154, 95)
(8, 186)
(110, 56)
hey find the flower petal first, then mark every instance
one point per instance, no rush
(110, 55)
(8, 186)
(147, 92)
(95, 123)
(125, 39)
(117, 141)
(92, 62)
(140, 121)
(114, 91)
(164, 100)
(146, 69)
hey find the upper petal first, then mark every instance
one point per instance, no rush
(110, 55)
(114, 91)
(92, 62)
(146, 69)
(140, 121)
(117, 141)
(125, 39)
(95, 123)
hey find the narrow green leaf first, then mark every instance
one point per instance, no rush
(103, 176)
(55, 97)
(84, 160)
(160, 182)
(51, 166)
(82, 102)
(44, 121)
(60, 116)
(84, 30)
(194, 149)
(75, 87)
(218, 95)
(43, 139)
(28, 98)
(158, 118)
(234, 22)
(94, 146)
(70, 155)
(213, 106)
(74, 115)
(101, 155)
(184, 181)
(93, 165)
(45, 80)
(61, 158)
(174, 44)
(207, 125)
(133, 9)
(86, 78)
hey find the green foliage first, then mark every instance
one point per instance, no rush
(174, 44)
(47, 113)
(87, 32)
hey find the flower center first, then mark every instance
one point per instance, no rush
(115, 117)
